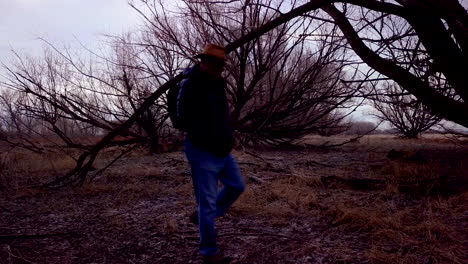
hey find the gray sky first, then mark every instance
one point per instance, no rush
(68, 22)
(61, 22)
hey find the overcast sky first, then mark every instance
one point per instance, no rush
(61, 22)
(22, 22)
(68, 22)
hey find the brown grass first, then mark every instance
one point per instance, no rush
(409, 172)
(400, 230)
(280, 200)
(168, 224)
(339, 224)
(20, 167)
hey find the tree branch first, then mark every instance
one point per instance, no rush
(85, 161)
(442, 105)
(378, 6)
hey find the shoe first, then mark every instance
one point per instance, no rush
(218, 258)
(194, 218)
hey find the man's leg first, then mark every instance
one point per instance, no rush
(207, 184)
(205, 170)
(233, 183)
(190, 154)
(195, 184)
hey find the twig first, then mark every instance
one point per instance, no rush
(256, 179)
(254, 155)
(5, 209)
(34, 236)
(317, 163)
(257, 234)
(8, 249)
(247, 163)
(254, 232)
(257, 156)
(176, 160)
(114, 160)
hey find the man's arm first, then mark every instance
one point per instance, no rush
(185, 104)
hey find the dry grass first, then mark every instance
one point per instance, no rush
(19, 169)
(26, 162)
(411, 234)
(425, 231)
(292, 212)
(409, 172)
(399, 229)
(167, 224)
(281, 199)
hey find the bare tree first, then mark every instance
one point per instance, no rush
(108, 96)
(421, 59)
(57, 101)
(85, 161)
(404, 112)
(281, 85)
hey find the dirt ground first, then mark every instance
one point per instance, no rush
(350, 204)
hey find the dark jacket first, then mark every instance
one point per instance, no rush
(204, 109)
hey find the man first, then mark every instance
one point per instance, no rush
(203, 106)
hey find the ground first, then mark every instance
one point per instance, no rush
(350, 204)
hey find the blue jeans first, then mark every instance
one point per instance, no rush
(207, 169)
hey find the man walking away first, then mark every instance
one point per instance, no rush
(202, 105)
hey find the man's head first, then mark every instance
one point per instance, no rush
(212, 59)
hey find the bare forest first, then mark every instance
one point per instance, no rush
(93, 171)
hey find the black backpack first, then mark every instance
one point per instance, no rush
(173, 96)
